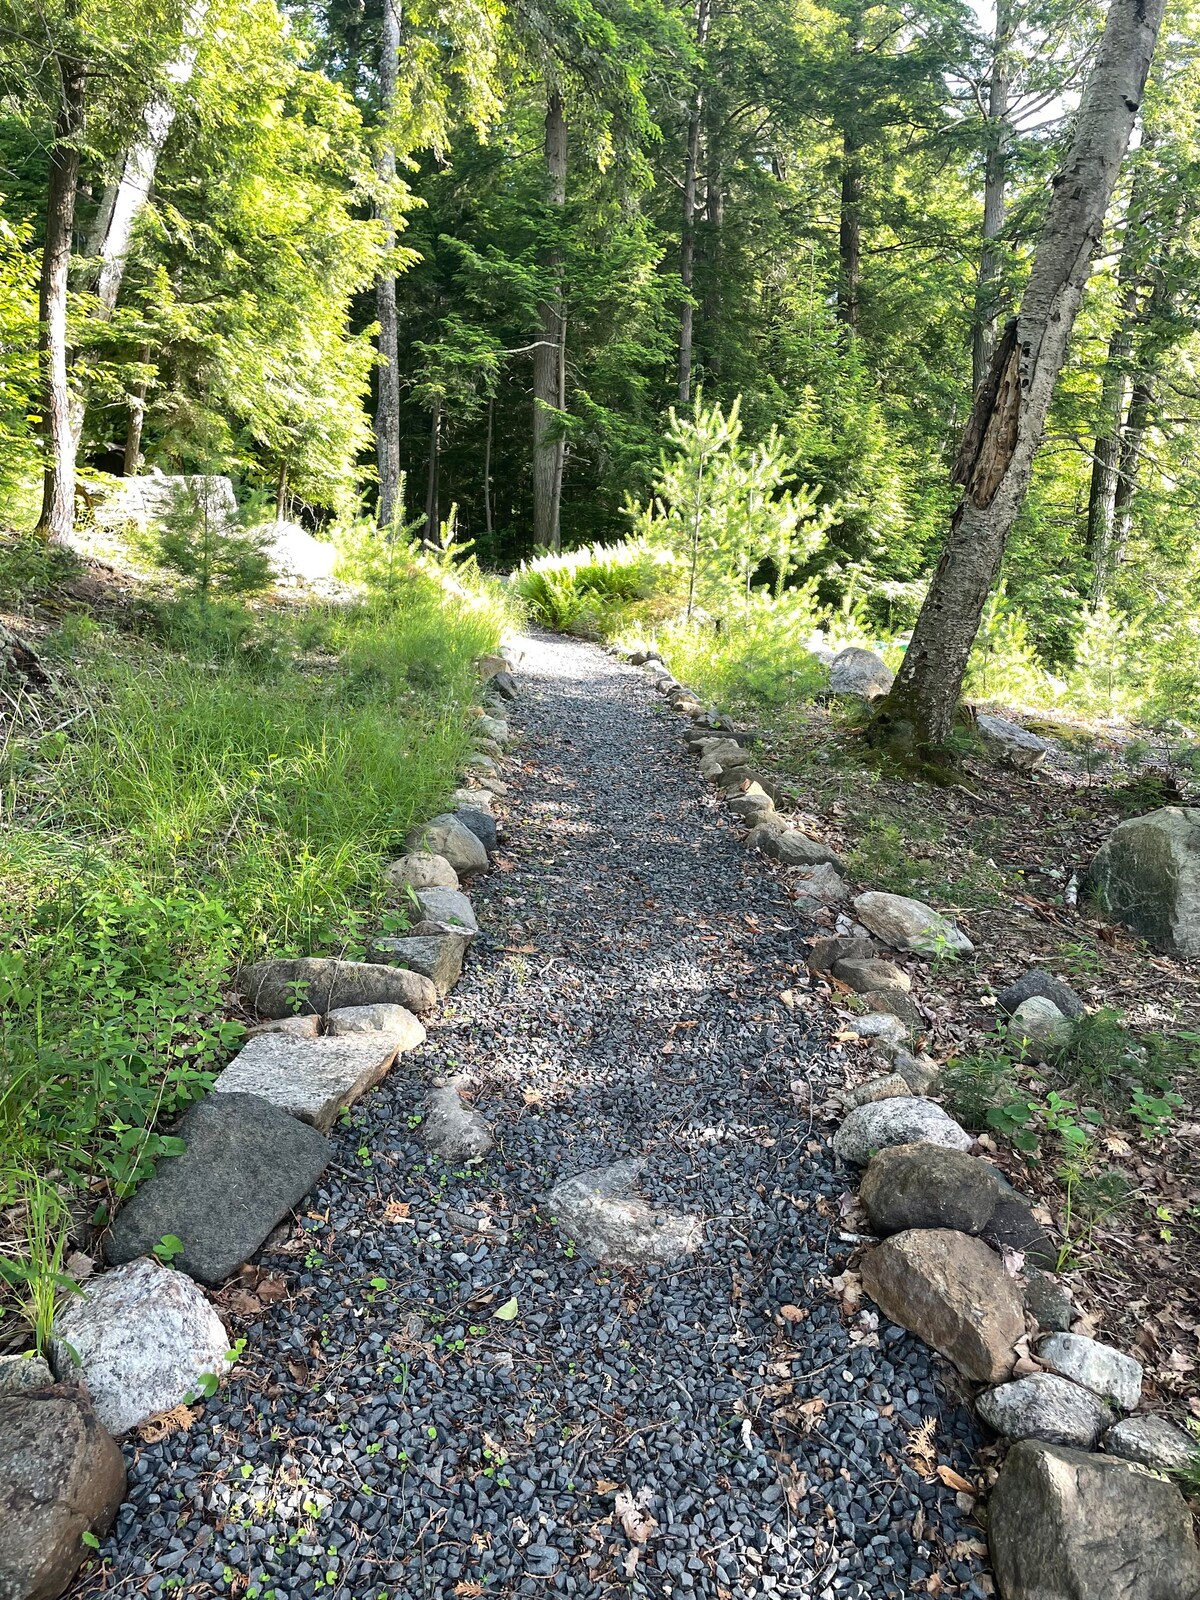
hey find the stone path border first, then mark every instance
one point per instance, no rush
(965, 1281)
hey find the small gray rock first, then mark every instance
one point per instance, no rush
(308, 1027)
(927, 1186)
(1010, 743)
(20, 1373)
(890, 1087)
(881, 1026)
(438, 957)
(1045, 985)
(863, 976)
(908, 924)
(399, 1025)
(600, 1212)
(452, 1128)
(420, 869)
(1014, 1227)
(448, 836)
(1047, 1301)
(919, 1072)
(308, 1078)
(302, 985)
(1038, 1029)
(860, 672)
(826, 953)
(1045, 1406)
(482, 824)
(874, 1127)
(822, 886)
(896, 1003)
(793, 848)
(1107, 1372)
(1154, 1442)
(449, 906)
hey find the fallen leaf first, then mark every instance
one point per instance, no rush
(792, 1313)
(606, 1486)
(507, 1311)
(635, 1515)
(155, 1429)
(955, 1480)
(397, 1210)
(469, 1589)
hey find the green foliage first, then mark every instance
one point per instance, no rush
(757, 657)
(593, 590)
(211, 548)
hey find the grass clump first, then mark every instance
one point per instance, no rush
(594, 591)
(209, 804)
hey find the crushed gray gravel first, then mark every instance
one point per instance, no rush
(452, 1399)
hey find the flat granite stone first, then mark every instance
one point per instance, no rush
(247, 1164)
(437, 957)
(309, 1078)
(401, 1027)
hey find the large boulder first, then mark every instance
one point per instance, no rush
(61, 1476)
(1154, 1442)
(449, 906)
(142, 1338)
(914, 1120)
(910, 924)
(448, 836)
(953, 1292)
(926, 1186)
(312, 1079)
(1107, 1372)
(317, 984)
(1147, 875)
(1045, 1406)
(247, 1164)
(420, 869)
(860, 672)
(1065, 1525)
(1048, 987)
(820, 886)
(1009, 743)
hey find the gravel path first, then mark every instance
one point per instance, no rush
(388, 1433)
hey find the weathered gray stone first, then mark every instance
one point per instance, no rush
(1107, 1372)
(397, 1023)
(793, 848)
(1154, 1442)
(61, 1476)
(479, 761)
(471, 800)
(19, 1373)
(307, 1027)
(871, 1128)
(926, 1186)
(600, 1212)
(420, 869)
(493, 728)
(950, 1290)
(1064, 1525)
(452, 1128)
(488, 747)
(1047, 1301)
(1147, 875)
(447, 835)
(1014, 1227)
(718, 763)
(450, 906)
(1038, 1029)
(919, 1072)
(247, 1164)
(823, 885)
(505, 685)
(438, 957)
(308, 1078)
(896, 1003)
(751, 801)
(482, 824)
(910, 924)
(882, 1026)
(1048, 987)
(306, 984)
(1010, 743)
(890, 1087)
(1045, 1406)
(143, 1336)
(860, 672)
(825, 954)
(870, 975)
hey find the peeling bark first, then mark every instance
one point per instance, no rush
(387, 405)
(1009, 413)
(995, 176)
(687, 241)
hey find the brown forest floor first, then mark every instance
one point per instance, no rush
(998, 851)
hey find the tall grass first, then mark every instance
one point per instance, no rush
(201, 810)
(595, 590)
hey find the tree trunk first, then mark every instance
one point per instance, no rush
(137, 418)
(994, 182)
(687, 238)
(57, 518)
(714, 217)
(387, 407)
(487, 467)
(850, 235)
(1141, 407)
(1008, 416)
(1114, 391)
(548, 355)
(281, 495)
(431, 482)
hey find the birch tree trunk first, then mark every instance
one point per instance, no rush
(994, 183)
(387, 404)
(548, 355)
(1008, 416)
(687, 238)
(850, 235)
(57, 519)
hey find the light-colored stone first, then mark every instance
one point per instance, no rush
(447, 836)
(306, 1027)
(1154, 1442)
(452, 1128)
(920, 1073)
(1147, 875)
(891, 1087)
(1064, 1525)
(143, 1336)
(396, 1023)
(1047, 1301)
(793, 848)
(421, 869)
(822, 884)
(1038, 1029)
(436, 956)
(61, 1476)
(952, 1291)
(881, 1026)
(873, 974)
(475, 800)
(871, 1128)
(487, 747)
(860, 672)
(308, 1078)
(1045, 1406)
(927, 1186)
(910, 924)
(450, 906)
(19, 1373)
(477, 761)
(1107, 1372)
(897, 1003)
(493, 728)
(600, 1212)
(306, 984)
(825, 954)
(1010, 743)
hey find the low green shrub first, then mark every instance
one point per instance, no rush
(594, 590)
